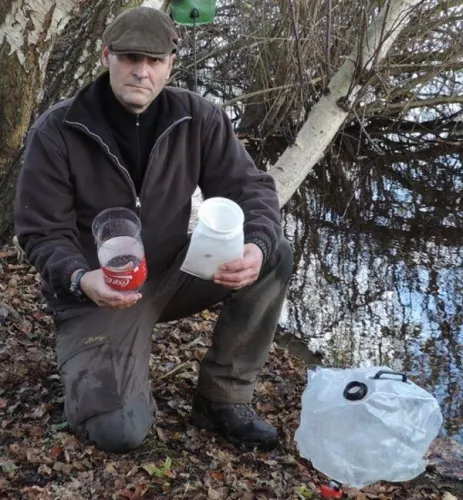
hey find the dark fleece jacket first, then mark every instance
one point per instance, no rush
(73, 169)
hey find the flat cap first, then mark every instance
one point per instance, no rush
(141, 30)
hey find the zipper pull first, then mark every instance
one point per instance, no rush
(137, 202)
(138, 121)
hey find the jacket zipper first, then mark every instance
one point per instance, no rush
(116, 159)
(137, 130)
(137, 199)
(167, 131)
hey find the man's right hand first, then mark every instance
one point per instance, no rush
(95, 288)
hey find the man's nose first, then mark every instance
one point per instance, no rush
(140, 69)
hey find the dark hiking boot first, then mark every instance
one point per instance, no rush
(238, 423)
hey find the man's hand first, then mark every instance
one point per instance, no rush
(241, 272)
(95, 288)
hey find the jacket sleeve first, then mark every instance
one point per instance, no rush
(228, 171)
(45, 218)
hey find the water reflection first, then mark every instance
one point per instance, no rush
(379, 278)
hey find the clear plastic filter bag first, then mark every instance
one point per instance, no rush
(362, 425)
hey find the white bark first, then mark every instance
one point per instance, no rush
(24, 24)
(156, 4)
(326, 117)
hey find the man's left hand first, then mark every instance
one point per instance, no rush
(241, 272)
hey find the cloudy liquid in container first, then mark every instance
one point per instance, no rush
(123, 263)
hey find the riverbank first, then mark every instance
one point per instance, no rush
(41, 459)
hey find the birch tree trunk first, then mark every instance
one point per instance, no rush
(41, 63)
(155, 4)
(330, 112)
(27, 32)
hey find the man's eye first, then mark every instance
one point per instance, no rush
(130, 57)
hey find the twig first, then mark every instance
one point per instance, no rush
(367, 135)
(298, 49)
(328, 41)
(261, 92)
(20, 252)
(175, 369)
(193, 342)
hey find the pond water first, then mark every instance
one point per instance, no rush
(379, 279)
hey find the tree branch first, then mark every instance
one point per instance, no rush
(415, 103)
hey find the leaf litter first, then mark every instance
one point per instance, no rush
(40, 459)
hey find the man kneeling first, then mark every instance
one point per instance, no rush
(127, 140)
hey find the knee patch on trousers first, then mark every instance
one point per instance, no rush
(120, 430)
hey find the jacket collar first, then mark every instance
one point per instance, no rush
(115, 113)
(87, 109)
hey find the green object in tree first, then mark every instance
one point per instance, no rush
(193, 12)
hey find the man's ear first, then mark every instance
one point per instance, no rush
(105, 56)
(172, 60)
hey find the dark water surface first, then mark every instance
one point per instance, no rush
(379, 275)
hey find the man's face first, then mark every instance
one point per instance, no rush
(136, 79)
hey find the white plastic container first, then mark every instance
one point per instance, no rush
(217, 239)
(362, 425)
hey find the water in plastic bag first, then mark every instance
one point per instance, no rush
(362, 425)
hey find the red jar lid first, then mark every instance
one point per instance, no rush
(330, 491)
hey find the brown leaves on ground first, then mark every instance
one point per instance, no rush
(40, 459)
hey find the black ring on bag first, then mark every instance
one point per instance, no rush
(355, 391)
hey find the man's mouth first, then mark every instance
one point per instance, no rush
(137, 87)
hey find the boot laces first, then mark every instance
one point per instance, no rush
(246, 412)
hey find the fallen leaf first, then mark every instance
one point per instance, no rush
(161, 435)
(39, 411)
(60, 427)
(55, 452)
(13, 283)
(446, 456)
(216, 475)
(36, 493)
(208, 316)
(35, 430)
(8, 466)
(15, 449)
(247, 495)
(304, 492)
(266, 407)
(44, 469)
(6, 423)
(215, 494)
(125, 494)
(110, 468)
